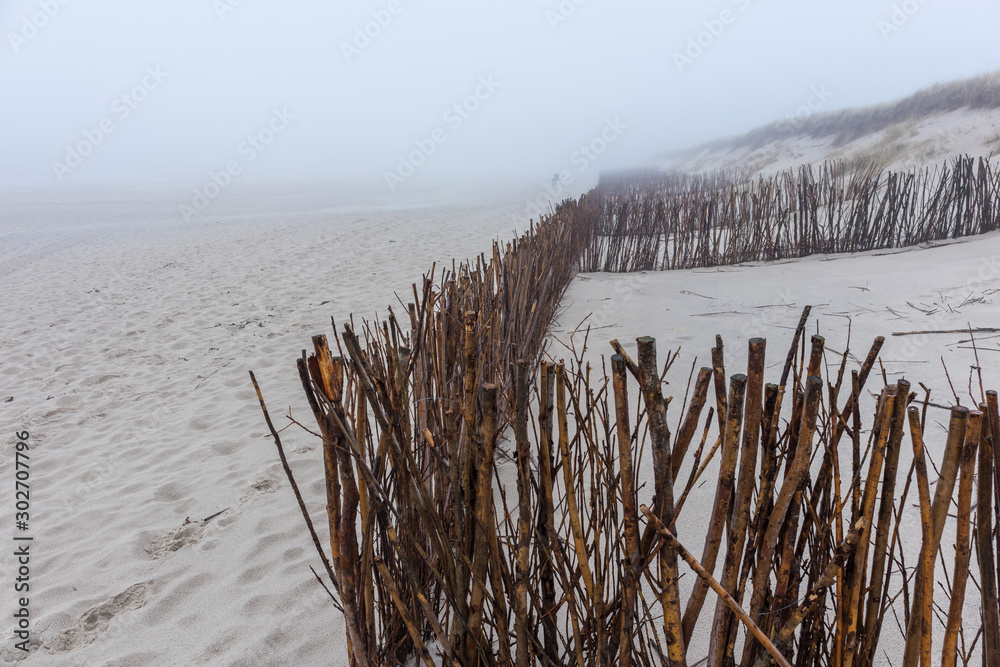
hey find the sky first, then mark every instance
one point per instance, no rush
(397, 95)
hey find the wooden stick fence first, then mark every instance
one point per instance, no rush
(582, 580)
(431, 559)
(654, 221)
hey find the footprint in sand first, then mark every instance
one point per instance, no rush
(175, 540)
(95, 620)
(193, 531)
(259, 488)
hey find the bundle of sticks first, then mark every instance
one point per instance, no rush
(560, 557)
(490, 505)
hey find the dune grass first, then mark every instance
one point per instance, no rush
(847, 125)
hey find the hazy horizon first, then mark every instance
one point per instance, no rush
(391, 97)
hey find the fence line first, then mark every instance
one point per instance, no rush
(651, 221)
(429, 557)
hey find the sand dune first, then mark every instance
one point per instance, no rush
(928, 141)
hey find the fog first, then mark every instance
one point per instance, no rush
(394, 95)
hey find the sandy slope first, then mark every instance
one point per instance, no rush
(916, 143)
(125, 343)
(947, 285)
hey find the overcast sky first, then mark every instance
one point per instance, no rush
(400, 94)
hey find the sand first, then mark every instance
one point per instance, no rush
(942, 286)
